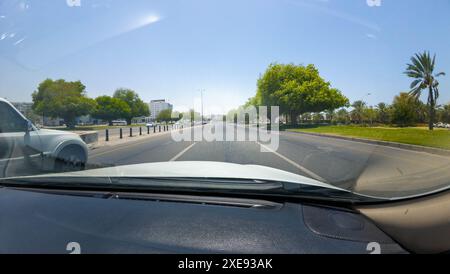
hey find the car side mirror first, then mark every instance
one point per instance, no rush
(29, 126)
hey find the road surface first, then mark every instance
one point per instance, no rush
(365, 168)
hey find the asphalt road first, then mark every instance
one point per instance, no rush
(365, 168)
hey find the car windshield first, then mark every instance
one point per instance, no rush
(346, 96)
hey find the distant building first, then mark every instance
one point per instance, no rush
(156, 106)
(88, 120)
(52, 122)
(25, 108)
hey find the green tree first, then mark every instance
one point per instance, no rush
(359, 111)
(306, 117)
(318, 117)
(342, 116)
(176, 115)
(109, 109)
(254, 101)
(404, 110)
(59, 98)
(164, 116)
(192, 115)
(296, 89)
(422, 111)
(382, 113)
(137, 106)
(421, 69)
(370, 114)
(232, 115)
(444, 113)
(331, 115)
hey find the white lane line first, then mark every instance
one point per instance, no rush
(181, 153)
(19, 158)
(303, 169)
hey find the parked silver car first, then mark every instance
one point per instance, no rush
(25, 147)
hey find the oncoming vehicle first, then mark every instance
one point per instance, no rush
(119, 123)
(442, 125)
(25, 148)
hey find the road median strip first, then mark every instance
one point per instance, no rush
(119, 144)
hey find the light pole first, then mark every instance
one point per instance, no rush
(370, 114)
(201, 95)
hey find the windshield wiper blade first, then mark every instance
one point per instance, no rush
(55, 181)
(198, 185)
(142, 183)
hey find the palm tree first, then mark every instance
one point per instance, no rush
(422, 70)
(383, 113)
(358, 111)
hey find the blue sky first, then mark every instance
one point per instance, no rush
(172, 49)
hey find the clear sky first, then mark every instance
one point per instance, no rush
(172, 49)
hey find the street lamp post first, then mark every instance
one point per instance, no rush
(201, 95)
(370, 114)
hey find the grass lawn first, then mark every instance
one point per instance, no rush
(439, 138)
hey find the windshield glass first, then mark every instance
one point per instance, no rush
(341, 94)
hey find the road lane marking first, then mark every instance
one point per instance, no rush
(302, 168)
(182, 152)
(20, 158)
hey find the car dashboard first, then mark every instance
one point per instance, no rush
(49, 221)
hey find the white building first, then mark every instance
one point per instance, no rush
(23, 107)
(156, 106)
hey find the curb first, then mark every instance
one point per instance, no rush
(437, 151)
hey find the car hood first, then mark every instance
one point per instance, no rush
(198, 169)
(45, 131)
